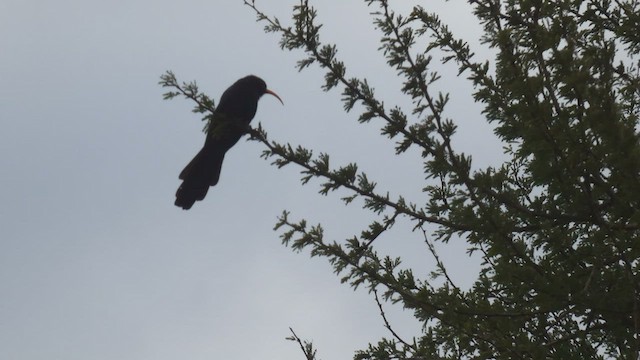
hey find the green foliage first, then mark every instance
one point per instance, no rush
(557, 225)
(204, 104)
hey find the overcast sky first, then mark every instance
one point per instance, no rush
(95, 260)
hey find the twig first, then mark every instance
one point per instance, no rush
(439, 262)
(388, 325)
(307, 348)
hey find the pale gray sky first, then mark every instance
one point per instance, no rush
(95, 260)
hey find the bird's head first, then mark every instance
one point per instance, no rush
(256, 86)
(240, 100)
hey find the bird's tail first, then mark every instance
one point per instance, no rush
(203, 171)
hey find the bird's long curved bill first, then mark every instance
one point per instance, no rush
(274, 94)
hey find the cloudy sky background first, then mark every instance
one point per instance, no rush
(96, 262)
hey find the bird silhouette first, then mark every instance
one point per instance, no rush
(230, 121)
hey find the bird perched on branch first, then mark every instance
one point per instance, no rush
(230, 121)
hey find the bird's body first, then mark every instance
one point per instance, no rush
(236, 109)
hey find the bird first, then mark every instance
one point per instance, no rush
(230, 120)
